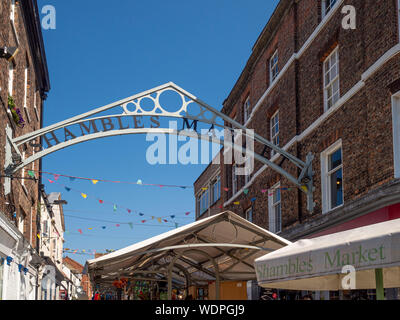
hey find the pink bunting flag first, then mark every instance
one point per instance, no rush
(56, 177)
(264, 191)
(80, 231)
(117, 225)
(143, 221)
(101, 201)
(226, 189)
(187, 213)
(129, 210)
(51, 181)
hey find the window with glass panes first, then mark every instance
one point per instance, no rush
(327, 6)
(275, 213)
(273, 67)
(246, 109)
(234, 180)
(335, 179)
(216, 190)
(204, 201)
(331, 80)
(274, 123)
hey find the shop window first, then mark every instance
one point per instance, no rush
(332, 177)
(331, 80)
(275, 209)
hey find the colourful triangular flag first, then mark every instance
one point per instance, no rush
(101, 201)
(129, 210)
(246, 191)
(115, 207)
(187, 213)
(84, 196)
(173, 217)
(80, 231)
(236, 203)
(176, 225)
(139, 182)
(31, 174)
(130, 225)
(56, 177)
(68, 189)
(159, 220)
(95, 181)
(72, 179)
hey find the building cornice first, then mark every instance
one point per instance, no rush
(33, 28)
(387, 195)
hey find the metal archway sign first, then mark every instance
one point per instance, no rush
(90, 126)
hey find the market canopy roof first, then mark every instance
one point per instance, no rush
(316, 264)
(233, 242)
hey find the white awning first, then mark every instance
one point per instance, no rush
(233, 242)
(317, 264)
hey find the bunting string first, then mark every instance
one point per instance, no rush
(56, 176)
(117, 206)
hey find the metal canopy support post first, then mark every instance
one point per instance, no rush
(380, 291)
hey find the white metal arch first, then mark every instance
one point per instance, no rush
(132, 106)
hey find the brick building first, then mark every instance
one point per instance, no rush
(207, 191)
(77, 269)
(24, 82)
(310, 85)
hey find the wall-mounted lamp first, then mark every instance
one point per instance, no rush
(8, 53)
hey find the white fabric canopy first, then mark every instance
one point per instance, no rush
(317, 264)
(233, 242)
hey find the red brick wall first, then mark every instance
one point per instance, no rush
(23, 201)
(364, 123)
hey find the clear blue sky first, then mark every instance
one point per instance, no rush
(103, 51)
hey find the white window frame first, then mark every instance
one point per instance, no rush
(246, 110)
(10, 78)
(272, 208)
(274, 135)
(35, 107)
(329, 85)
(23, 170)
(234, 180)
(12, 11)
(249, 214)
(2, 275)
(216, 183)
(329, 8)
(21, 222)
(273, 67)
(396, 133)
(204, 202)
(26, 93)
(325, 177)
